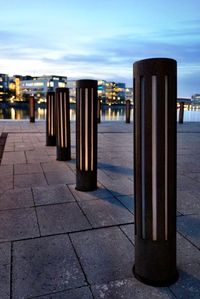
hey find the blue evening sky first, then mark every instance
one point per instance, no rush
(100, 39)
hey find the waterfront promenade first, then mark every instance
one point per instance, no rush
(56, 242)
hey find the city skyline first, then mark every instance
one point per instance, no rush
(100, 41)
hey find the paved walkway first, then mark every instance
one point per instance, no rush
(56, 242)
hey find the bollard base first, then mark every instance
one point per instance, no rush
(32, 119)
(157, 283)
(63, 154)
(50, 141)
(155, 261)
(86, 180)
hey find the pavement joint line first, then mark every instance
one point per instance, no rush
(36, 213)
(11, 270)
(126, 234)
(185, 237)
(85, 276)
(59, 292)
(80, 208)
(67, 233)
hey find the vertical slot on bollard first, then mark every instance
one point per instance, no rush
(155, 85)
(181, 112)
(32, 109)
(128, 111)
(63, 140)
(86, 135)
(50, 120)
(98, 111)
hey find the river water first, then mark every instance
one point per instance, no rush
(107, 114)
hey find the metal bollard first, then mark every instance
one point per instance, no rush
(181, 113)
(98, 111)
(86, 135)
(63, 140)
(50, 120)
(128, 111)
(155, 83)
(32, 109)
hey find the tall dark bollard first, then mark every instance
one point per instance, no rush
(50, 119)
(128, 111)
(155, 83)
(63, 140)
(32, 109)
(86, 135)
(98, 111)
(181, 113)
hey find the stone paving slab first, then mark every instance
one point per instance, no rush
(27, 168)
(102, 257)
(54, 165)
(18, 224)
(186, 252)
(127, 201)
(99, 193)
(188, 202)
(6, 183)
(188, 285)
(129, 288)
(16, 198)
(61, 218)
(119, 187)
(13, 158)
(5, 265)
(29, 180)
(45, 265)
(189, 226)
(80, 293)
(106, 212)
(104, 254)
(52, 194)
(60, 177)
(6, 170)
(129, 231)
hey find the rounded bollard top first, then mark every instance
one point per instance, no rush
(86, 83)
(62, 89)
(50, 92)
(155, 65)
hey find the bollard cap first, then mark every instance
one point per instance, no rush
(50, 93)
(86, 83)
(62, 89)
(155, 66)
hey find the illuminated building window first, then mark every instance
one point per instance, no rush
(61, 84)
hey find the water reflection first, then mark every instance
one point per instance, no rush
(107, 114)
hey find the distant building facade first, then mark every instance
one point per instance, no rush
(111, 92)
(129, 94)
(71, 84)
(4, 86)
(39, 86)
(195, 99)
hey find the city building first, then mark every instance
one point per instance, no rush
(71, 84)
(39, 86)
(111, 92)
(129, 94)
(14, 87)
(4, 84)
(195, 99)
